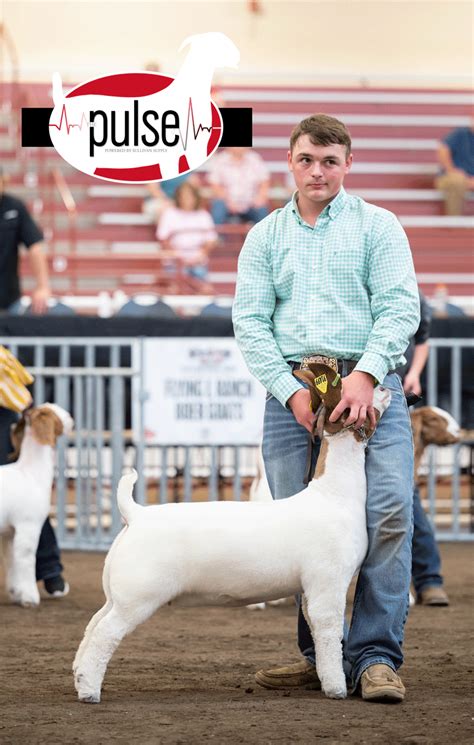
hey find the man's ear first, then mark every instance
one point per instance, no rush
(349, 163)
(290, 164)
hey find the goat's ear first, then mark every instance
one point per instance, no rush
(17, 431)
(327, 383)
(46, 426)
(307, 377)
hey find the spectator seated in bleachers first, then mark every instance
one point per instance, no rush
(186, 231)
(456, 157)
(239, 182)
(441, 305)
(146, 306)
(161, 195)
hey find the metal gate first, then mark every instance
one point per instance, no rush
(87, 377)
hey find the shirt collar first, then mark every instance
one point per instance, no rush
(332, 209)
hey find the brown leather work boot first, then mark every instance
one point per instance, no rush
(381, 683)
(299, 675)
(434, 595)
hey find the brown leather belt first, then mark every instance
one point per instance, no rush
(341, 366)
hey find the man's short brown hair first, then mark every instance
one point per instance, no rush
(322, 130)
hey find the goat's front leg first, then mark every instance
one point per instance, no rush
(21, 579)
(99, 645)
(324, 608)
(89, 629)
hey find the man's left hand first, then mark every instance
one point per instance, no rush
(358, 396)
(39, 300)
(412, 384)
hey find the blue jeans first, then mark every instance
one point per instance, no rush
(381, 598)
(220, 213)
(48, 558)
(426, 563)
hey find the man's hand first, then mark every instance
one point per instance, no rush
(412, 384)
(358, 396)
(39, 300)
(300, 405)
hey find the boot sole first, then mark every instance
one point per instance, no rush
(309, 685)
(391, 696)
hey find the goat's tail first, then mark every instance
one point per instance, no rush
(126, 504)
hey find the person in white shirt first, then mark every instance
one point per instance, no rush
(239, 182)
(186, 231)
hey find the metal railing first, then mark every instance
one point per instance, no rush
(86, 377)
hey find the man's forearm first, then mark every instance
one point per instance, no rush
(420, 357)
(39, 266)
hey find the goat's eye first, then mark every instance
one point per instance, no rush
(380, 388)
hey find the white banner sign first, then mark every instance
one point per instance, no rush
(200, 392)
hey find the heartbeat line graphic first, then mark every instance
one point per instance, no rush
(190, 130)
(69, 126)
(196, 132)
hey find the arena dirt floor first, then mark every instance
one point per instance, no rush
(186, 676)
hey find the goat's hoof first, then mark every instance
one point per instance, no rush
(335, 692)
(27, 602)
(89, 698)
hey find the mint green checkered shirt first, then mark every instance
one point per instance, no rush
(344, 288)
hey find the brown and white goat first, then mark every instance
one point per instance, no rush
(25, 495)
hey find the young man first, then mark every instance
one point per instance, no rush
(331, 275)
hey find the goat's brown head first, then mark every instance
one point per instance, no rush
(47, 423)
(325, 387)
(434, 426)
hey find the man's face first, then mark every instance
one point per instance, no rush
(318, 170)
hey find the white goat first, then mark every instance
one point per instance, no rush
(234, 553)
(25, 496)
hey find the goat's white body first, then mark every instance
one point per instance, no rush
(237, 553)
(25, 498)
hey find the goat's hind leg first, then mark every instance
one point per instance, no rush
(325, 611)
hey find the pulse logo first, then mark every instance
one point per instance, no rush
(139, 127)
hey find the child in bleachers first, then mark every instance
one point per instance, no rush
(186, 231)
